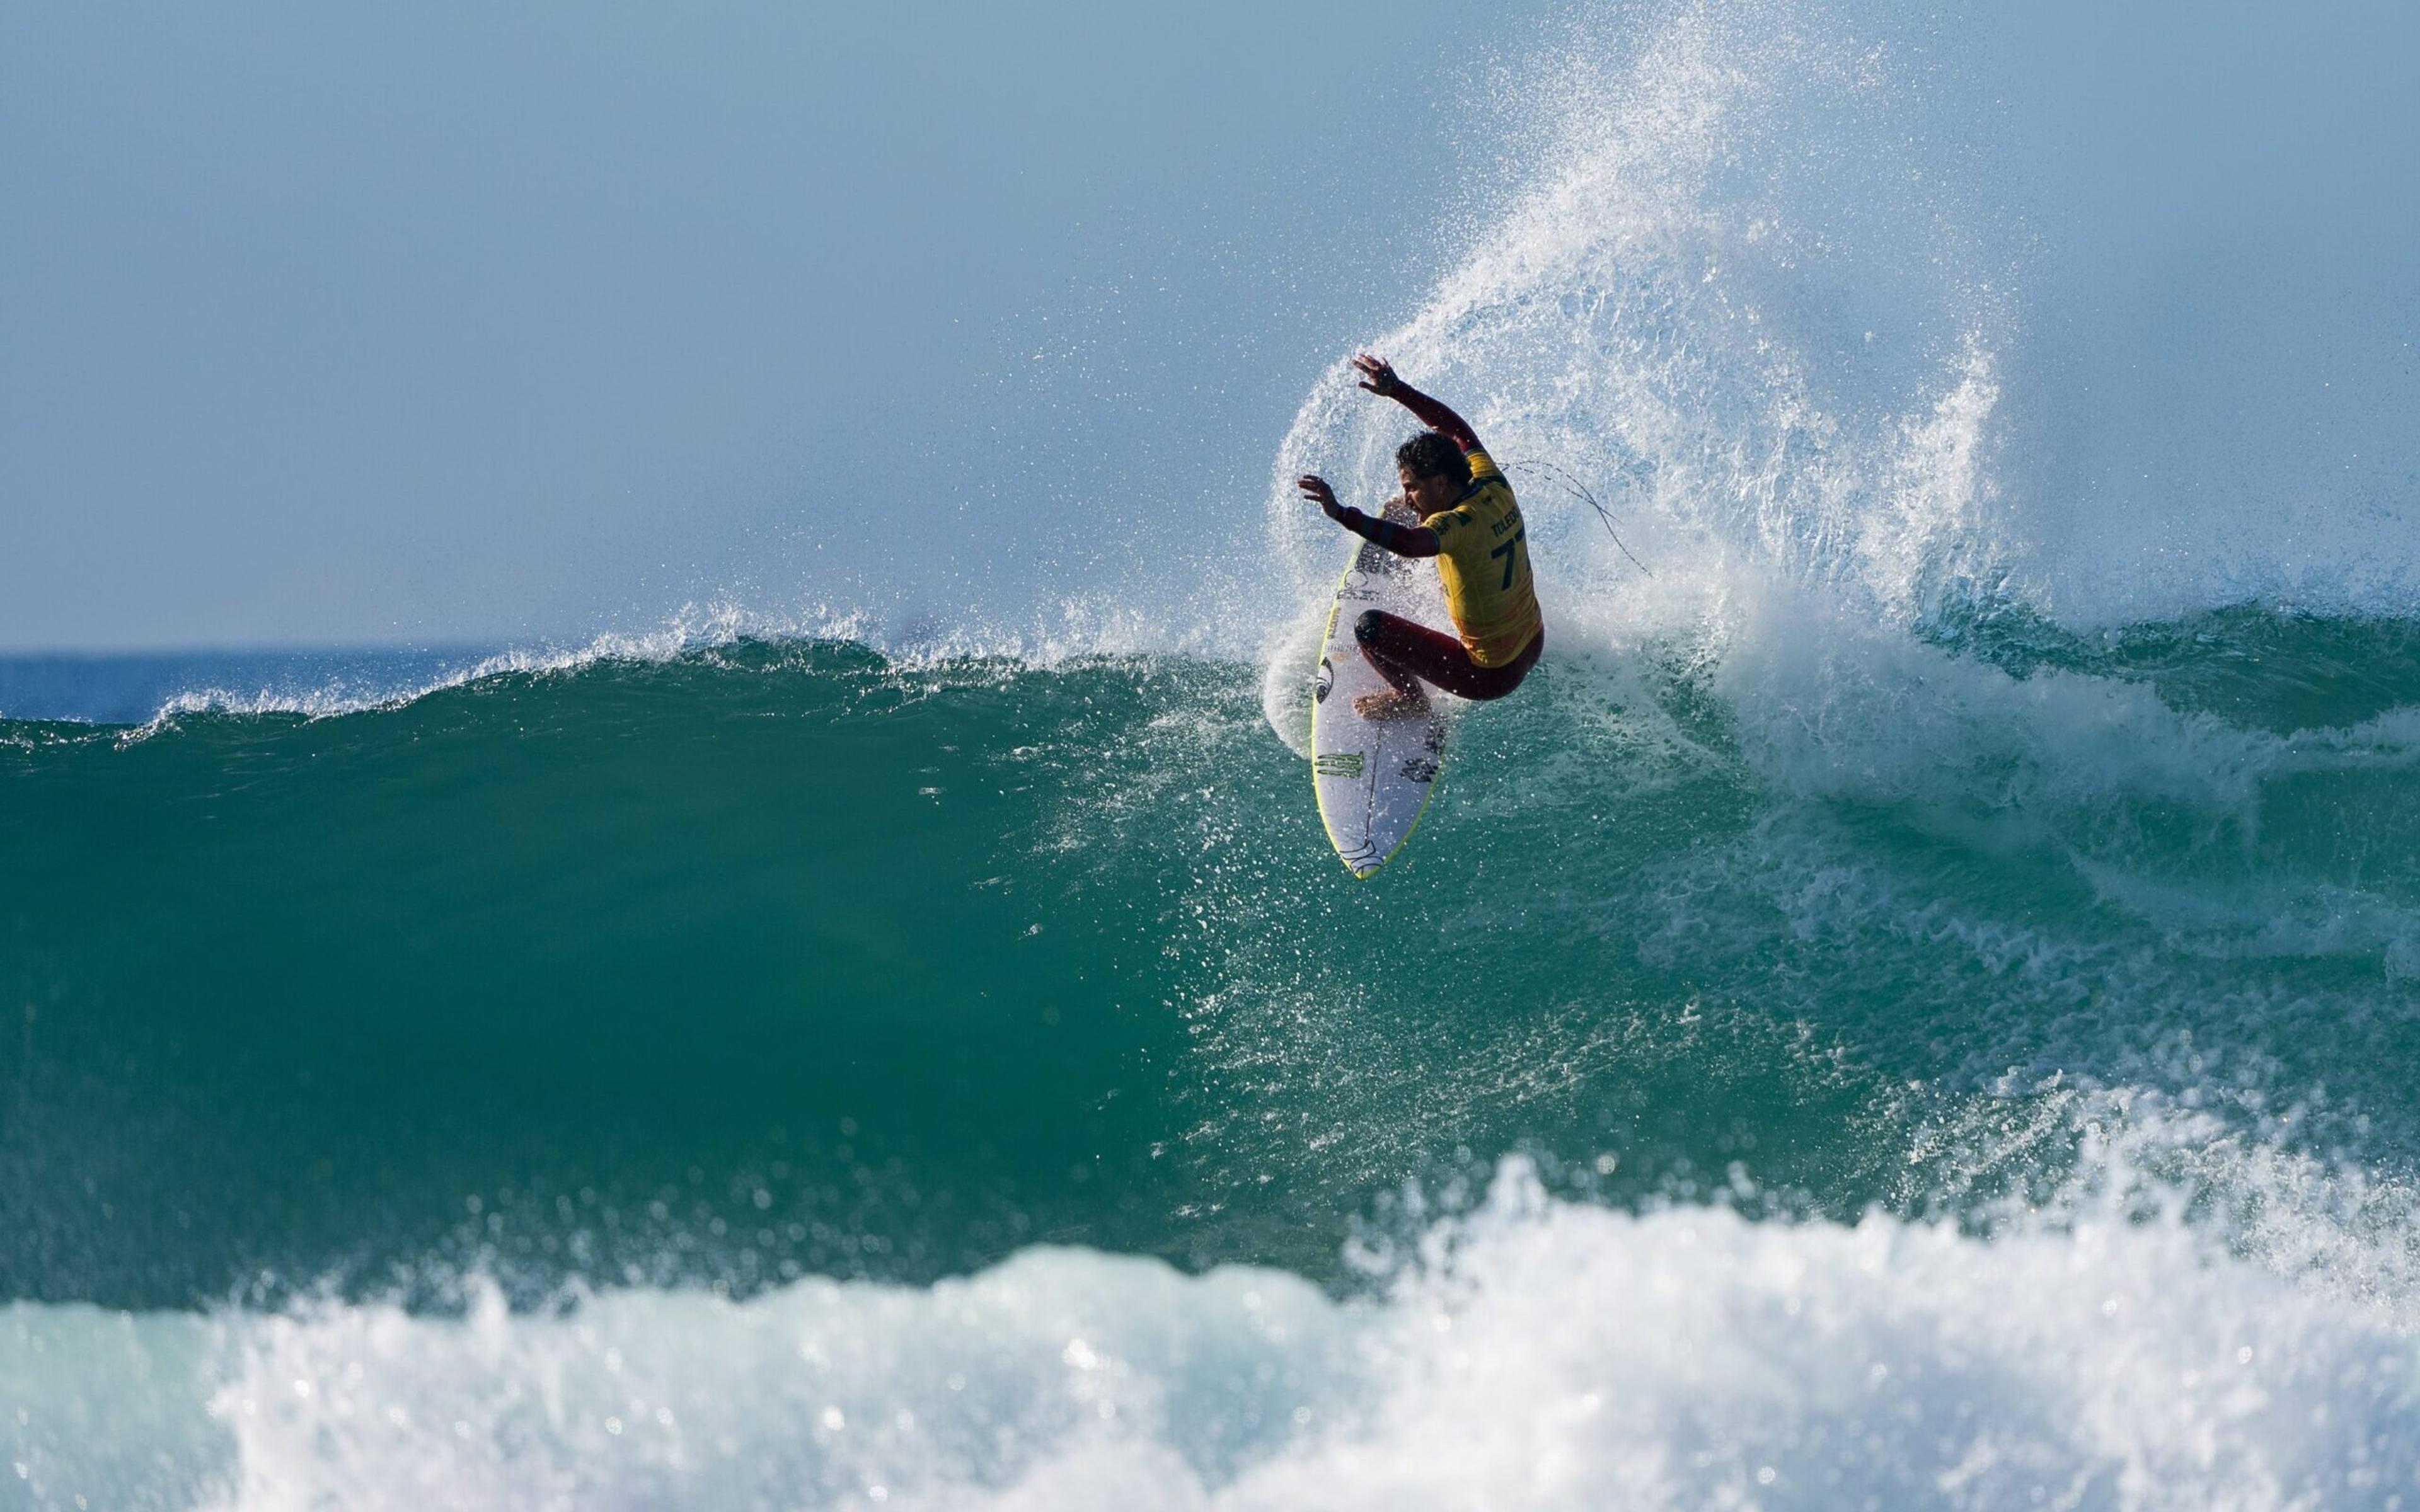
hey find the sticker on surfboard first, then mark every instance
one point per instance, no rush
(1374, 777)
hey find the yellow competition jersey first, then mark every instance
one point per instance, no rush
(1485, 568)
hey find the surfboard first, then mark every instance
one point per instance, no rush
(1374, 777)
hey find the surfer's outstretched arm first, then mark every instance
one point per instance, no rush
(1402, 540)
(1378, 377)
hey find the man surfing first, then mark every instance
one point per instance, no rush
(1469, 523)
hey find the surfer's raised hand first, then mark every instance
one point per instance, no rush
(1377, 376)
(1315, 488)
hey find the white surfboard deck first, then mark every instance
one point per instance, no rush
(1374, 777)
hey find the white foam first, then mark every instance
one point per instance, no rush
(1537, 1354)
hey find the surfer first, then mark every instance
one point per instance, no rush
(1468, 521)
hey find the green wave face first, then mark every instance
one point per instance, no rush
(782, 958)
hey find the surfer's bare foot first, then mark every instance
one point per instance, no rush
(1390, 706)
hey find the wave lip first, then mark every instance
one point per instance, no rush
(144, 693)
(1535, 1352)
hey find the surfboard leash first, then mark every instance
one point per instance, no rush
(1579, 490)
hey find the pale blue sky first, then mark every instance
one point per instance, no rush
(465, 321)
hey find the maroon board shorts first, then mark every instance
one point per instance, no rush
(1407, 654)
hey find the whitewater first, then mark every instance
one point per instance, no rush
(1913, 1006)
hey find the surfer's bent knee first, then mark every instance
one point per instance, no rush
(1367, 628)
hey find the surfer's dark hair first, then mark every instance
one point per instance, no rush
(1429, 455)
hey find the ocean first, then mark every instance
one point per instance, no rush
(1913, 1005)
